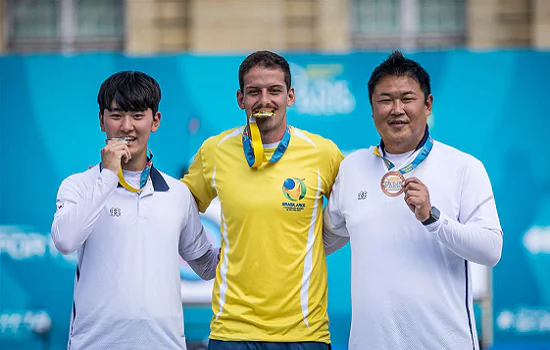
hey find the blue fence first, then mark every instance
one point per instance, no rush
(490, 104)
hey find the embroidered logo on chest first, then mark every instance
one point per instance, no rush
(362, 195)
(115, 212)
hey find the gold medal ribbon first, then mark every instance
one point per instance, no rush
(254, 148)
(143, 178)
(257, 144)
(126, 185)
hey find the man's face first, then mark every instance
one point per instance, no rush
(264, 89)
(400, 112)
(136, 125)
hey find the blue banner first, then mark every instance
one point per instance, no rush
(489, 104)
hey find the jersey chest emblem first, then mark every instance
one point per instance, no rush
(115, 212)
(294, 190)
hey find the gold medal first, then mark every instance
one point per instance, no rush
(263, 114)
(392, 183)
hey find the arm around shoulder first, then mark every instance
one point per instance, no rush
(335, 232)
(196, 180)
(205, 266)
(194, 246)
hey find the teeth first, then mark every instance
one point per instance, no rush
(123, 139)
(263, 114)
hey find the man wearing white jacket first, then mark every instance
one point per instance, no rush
(417, 212)
(129, 223)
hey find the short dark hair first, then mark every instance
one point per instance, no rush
(397, 65)
(131, 91)
(266, 59)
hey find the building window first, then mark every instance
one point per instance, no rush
(375, 16)
(409, 24)
(441, 16)
(64, 25)
(300, 23)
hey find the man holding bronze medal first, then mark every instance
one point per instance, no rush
(270, 290)
(129, 224)
(417, 212)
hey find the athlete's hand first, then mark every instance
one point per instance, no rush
(417, 198)
(113, 154)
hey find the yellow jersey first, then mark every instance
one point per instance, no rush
(271, 282)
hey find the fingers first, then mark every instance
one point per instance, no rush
(415, 191)
(419, 203)
(120, 148)
(413, 182)
(114, 153)
(417, 198)
(121, 142)
(126, 156)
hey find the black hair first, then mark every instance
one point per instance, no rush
(266, 59)
(397, 65)
(131, 91)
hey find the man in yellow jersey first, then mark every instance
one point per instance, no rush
(270, 290)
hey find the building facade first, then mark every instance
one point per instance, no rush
(155, 26)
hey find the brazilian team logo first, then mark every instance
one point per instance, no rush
(294, 189)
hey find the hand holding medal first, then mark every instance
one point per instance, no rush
(417, 198)
(393, 182)
(114, 153)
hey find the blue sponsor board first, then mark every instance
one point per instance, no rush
(485, 103)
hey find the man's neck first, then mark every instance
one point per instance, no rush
(137, 165)
(400, 148)
(272, 136)
(411, 144)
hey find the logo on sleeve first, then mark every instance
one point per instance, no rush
(294, 189)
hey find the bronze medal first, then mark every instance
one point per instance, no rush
(392, 183)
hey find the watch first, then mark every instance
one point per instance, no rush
(434, 216)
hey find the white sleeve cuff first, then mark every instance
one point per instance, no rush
(471, 242)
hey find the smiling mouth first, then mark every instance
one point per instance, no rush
(398, 123)
(263, 114)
